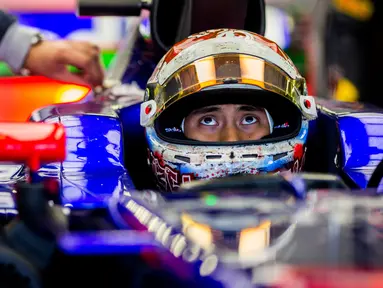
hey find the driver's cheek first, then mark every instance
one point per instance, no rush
(259, 133)
(253, 132)
(202, 133)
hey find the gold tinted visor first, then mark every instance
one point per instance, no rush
(224, 69)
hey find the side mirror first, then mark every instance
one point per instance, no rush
(32, 143)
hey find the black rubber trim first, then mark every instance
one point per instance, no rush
(376, 177)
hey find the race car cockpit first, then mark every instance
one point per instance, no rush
(220, 103)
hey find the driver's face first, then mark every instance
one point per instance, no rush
(227, 123)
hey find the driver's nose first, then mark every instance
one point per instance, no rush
(229, 134)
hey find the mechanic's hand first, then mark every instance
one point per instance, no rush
(51, 58)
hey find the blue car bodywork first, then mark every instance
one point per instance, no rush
(104, 145)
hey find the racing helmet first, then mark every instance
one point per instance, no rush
(224, 66)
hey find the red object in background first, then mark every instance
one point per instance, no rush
(310, 89)
(38, 6)
(20, 96)
(32, 143)
(331, 277)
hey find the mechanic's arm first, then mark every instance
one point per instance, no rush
(21, 47)
(6, 21)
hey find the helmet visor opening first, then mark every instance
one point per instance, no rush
(286, 117)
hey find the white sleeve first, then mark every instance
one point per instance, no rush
(15, 45)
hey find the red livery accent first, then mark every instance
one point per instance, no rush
(298, 151)
(299, 158)
(170, 179)
(32, 143)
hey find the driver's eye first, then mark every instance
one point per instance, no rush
(248, 120)
(208, 121)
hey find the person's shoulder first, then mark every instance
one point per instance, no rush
(6, 20)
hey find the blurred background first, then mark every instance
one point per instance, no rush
(58, 20)
(322, 37)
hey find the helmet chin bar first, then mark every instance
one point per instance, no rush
(259, 154)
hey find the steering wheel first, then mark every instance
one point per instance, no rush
(272, 183)
(376, 177)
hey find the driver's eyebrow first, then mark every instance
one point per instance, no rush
(205, 110)
(249, 108)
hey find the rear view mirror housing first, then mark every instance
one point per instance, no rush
(32, 143)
